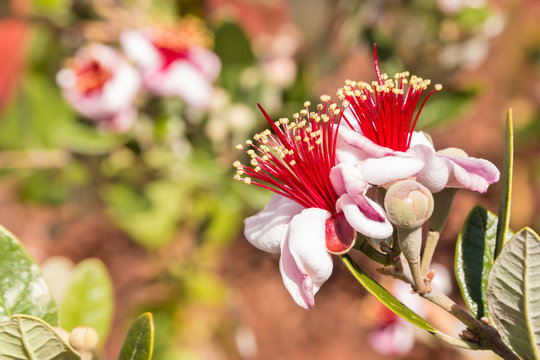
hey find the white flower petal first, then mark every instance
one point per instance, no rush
(267, 229)
(362, 223)
(140, 49)
(380, 171)
(181, 79)
(305, 264)
(206, 61)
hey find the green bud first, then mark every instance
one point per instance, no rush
(408, 204)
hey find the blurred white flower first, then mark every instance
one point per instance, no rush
(101, 85)
(174, 60)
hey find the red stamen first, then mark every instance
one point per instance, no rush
(295, 158)
(91, 76)
(385, 112)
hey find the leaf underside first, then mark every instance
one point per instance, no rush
(513, 294)
(27, 337)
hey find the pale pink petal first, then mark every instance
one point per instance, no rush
(348, 179)
(120, 121)
(305, 264)
(181, 79)
(206, 62)
(436, 171)
(390, 168)
(360, 217)
(140, 49)
(120, 91)
(471, 173)
(266, 230)
(396, 338)
(361, 146)
(421, 138)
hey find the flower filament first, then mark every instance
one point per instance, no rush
(295, 157)
(385, 109)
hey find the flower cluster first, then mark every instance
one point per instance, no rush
(321, 166)
(170, 60)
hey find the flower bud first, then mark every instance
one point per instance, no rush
(408, 204)
(84, 339)
(340, 236)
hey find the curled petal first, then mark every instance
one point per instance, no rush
(436, 171)
(444, 170)
(348, 179)
(390, 168)
(471, 173)
(361, 217)
(351, 143)
(377, 165)
(305, 264)
(267, 229)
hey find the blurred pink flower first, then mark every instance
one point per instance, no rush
(305, 220)
(392, 334)
(380, 144)
(101, 85)
(174, 60)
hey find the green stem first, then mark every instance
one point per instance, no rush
(488, 336)
(450, 340)
(429, 250)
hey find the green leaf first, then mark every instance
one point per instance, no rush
(88, 300)
(513, 294)
(384, 296)
(506, 184)
(150, 218)
(139, 343)
(28, 337)
(24, 290)
(474, 257)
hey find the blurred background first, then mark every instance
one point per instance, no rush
(156, 202)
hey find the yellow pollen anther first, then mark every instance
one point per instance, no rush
(292, 163)
(237, 164)
(239, 147)
(247, 180)
(307, 104)
(438, 87)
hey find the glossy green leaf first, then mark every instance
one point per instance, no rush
(28, 337)
(88, 300)
(474, 257)
(139, 343)
(384, 296)
(513, 294)
(506, 184)
(23, 289)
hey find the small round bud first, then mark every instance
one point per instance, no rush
(408, 204)
(84, 339)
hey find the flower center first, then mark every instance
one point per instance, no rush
(385, 110)
(91, 76)
(295, 158)
(174, 42)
